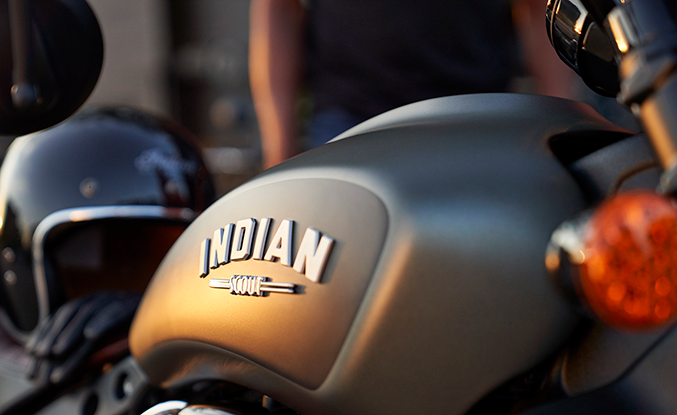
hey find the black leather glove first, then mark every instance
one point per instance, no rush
(62, 345)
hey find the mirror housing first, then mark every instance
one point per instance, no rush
(51, 54)
(581, 43)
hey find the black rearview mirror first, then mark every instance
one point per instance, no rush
(51, 53)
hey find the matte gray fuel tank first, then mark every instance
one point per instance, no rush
(398, 269)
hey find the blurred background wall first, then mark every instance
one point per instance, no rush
(137, 54)
(187, 60)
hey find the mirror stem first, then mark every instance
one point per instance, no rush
(25, 92)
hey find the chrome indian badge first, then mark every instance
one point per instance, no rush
(247, 239)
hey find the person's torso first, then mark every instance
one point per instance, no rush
(370, 56)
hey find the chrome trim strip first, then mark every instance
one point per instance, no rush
(278, 285)
(205, 410)
(84, 215)
(278, 290)
(166, 408)
(214, 283)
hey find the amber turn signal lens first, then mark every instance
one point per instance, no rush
(629, 272)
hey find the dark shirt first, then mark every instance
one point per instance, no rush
(369, 56)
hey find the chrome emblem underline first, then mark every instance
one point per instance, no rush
(254, 286)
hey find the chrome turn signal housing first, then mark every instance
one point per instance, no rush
(623, 260)
(583, 45)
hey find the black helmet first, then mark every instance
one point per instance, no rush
(93, 203)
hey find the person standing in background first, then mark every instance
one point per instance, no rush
(361, 58)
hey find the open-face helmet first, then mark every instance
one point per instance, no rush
(93, 203)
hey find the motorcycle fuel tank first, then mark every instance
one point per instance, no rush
(397, 269)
